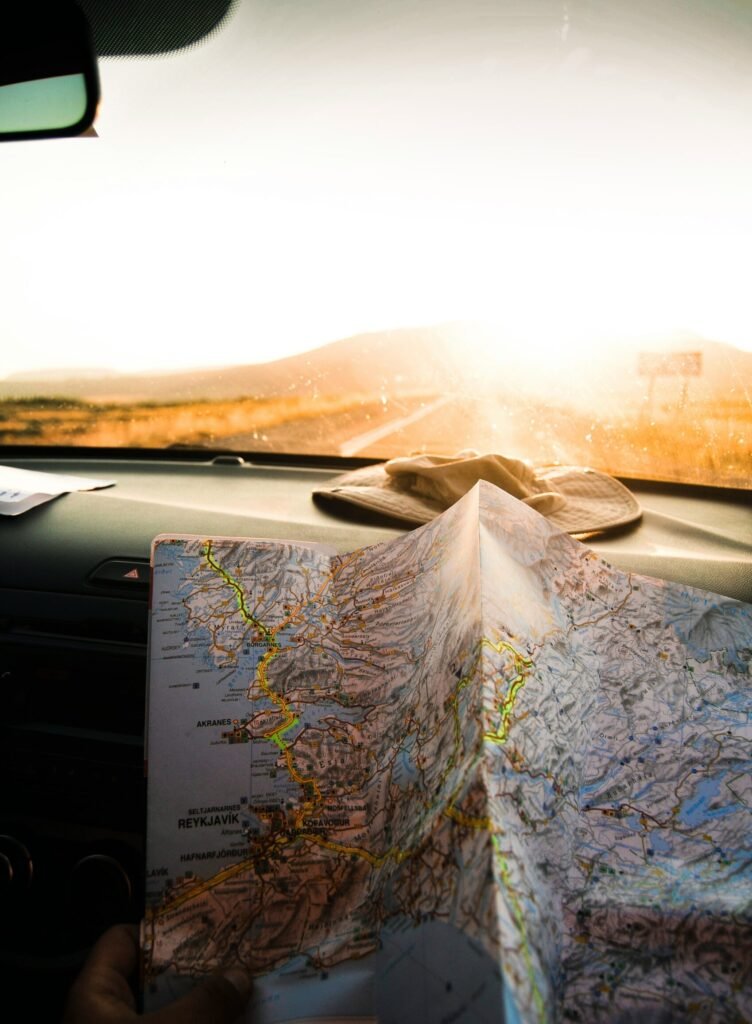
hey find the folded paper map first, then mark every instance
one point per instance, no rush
(472, 774)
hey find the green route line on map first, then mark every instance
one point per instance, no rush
(519, 920)
(484, 824)
(522, 664)
(506, 706)
(267, 634)
(261, 674)
(309, 786)
(275, 736)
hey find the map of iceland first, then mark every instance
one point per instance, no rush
(471, 774)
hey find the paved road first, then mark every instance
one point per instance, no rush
(444, 424)
(361, 442)
(448, 425)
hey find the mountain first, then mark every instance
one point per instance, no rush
(407, 359)
(464, 358)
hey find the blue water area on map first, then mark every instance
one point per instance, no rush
(593, 787)
(696, 809)
(511, 1013)
(738, 700)
(405, 770)
(426, 974)
(658, 843)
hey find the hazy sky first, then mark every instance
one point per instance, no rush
(321, 168)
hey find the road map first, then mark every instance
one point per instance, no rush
(473, 774)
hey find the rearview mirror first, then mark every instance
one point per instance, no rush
(49, 85)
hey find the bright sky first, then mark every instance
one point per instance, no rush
(322, 168)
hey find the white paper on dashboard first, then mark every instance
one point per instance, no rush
(22, 489)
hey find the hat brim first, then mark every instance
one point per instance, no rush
(594, 501)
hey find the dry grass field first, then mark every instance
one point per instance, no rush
(64, 421)
(703, 442)
(709, 443)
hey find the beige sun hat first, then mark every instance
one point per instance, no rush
(418, 488)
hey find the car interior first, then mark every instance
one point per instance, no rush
(74, 576)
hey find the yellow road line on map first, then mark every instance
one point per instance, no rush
(275, 736)
(519, 920)
(291, 719)
(261, 674)
(522, 665)
(245, 865)
(233, 583)
(375, 860)
(481, 824)
(204, 886)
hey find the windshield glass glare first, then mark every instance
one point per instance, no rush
(371, 229)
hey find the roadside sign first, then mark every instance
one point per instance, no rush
(669, 364)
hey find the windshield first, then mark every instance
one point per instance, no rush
(370, 229)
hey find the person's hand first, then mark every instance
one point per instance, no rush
(101, 994)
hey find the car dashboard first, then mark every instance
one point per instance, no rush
(74, 589)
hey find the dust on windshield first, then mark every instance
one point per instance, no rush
(681, 414)
(360, 229)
